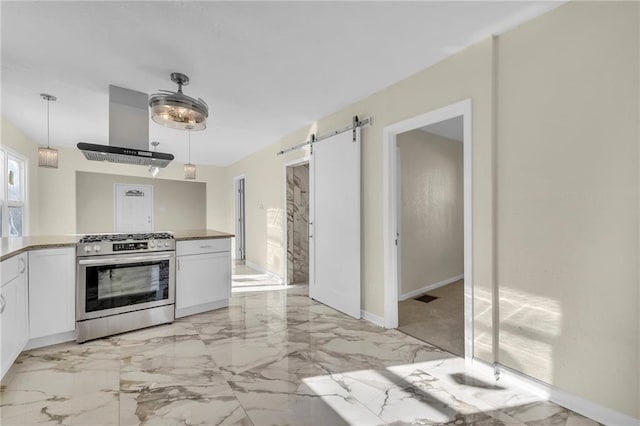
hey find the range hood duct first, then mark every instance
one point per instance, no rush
(128, 132)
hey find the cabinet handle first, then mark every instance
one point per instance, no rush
(3, 304)
(24, 265)
(178, 263)
(205, 246)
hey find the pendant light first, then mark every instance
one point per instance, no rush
(154, 170)
(48, 157)
(189, 169)
(177, 110)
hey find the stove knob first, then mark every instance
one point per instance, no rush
(152, 244)
(166, 243)
(96, 248)
(87, 249)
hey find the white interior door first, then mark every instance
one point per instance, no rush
(133, 205)
(335, 223)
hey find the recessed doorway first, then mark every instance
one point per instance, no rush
(438, 214)
(431, 243)
(297, 232)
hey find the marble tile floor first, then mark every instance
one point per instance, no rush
(439, 322)
(245, 279)
(271, 358)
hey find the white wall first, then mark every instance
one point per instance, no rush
(568, 200)
(432, 208)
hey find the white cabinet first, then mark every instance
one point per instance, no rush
(52, 283)
(13, 309)
(203, 278)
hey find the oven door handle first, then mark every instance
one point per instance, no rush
(121, 260)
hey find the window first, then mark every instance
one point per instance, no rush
(12, 198)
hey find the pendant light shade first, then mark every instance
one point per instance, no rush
(189, 169)
(177, 110)
(48, 157)
(154, 170)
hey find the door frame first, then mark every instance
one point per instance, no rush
(292, 163)
(391, 202)
(236, 217)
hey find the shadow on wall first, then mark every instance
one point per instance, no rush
(530, 326)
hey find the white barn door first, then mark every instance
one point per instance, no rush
(334, 275)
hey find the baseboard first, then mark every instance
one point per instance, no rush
(374, 319)
(198, 309)
(264, 271)
(561, 397)
(55, 339)
(429, 287)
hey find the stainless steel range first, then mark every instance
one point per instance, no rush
(124, 282)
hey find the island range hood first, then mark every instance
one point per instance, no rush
(128, 132)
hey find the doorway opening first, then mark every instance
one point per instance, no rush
(240, 228)
(431, 243)
(428, 228)
(297, 227)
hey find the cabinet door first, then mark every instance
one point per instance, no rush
(52, 283)
(203, 278)
(13, 319)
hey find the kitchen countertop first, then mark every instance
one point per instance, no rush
(11, 246)
(200, 234)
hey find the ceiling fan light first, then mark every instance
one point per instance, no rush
(177, 110)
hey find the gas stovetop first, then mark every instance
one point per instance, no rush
(101, 244)
(125, 237)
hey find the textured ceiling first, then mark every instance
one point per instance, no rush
(264, 68)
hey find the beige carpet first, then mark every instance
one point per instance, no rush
(439, 322)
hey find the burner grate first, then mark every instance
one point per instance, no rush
(126, 237)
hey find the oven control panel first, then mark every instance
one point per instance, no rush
(103, 244)
(130, 246)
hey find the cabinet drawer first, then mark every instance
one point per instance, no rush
(12, 268)
(184, 248)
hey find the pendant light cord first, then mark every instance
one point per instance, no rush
(189, 146)
(48, 103)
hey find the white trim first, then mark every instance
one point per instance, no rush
(260, 269)
(372, 318)
(549, 392)
(430, 287)
(390, 175)
(205, 307)
(54, 339)
(297, 162)
(236, 208)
